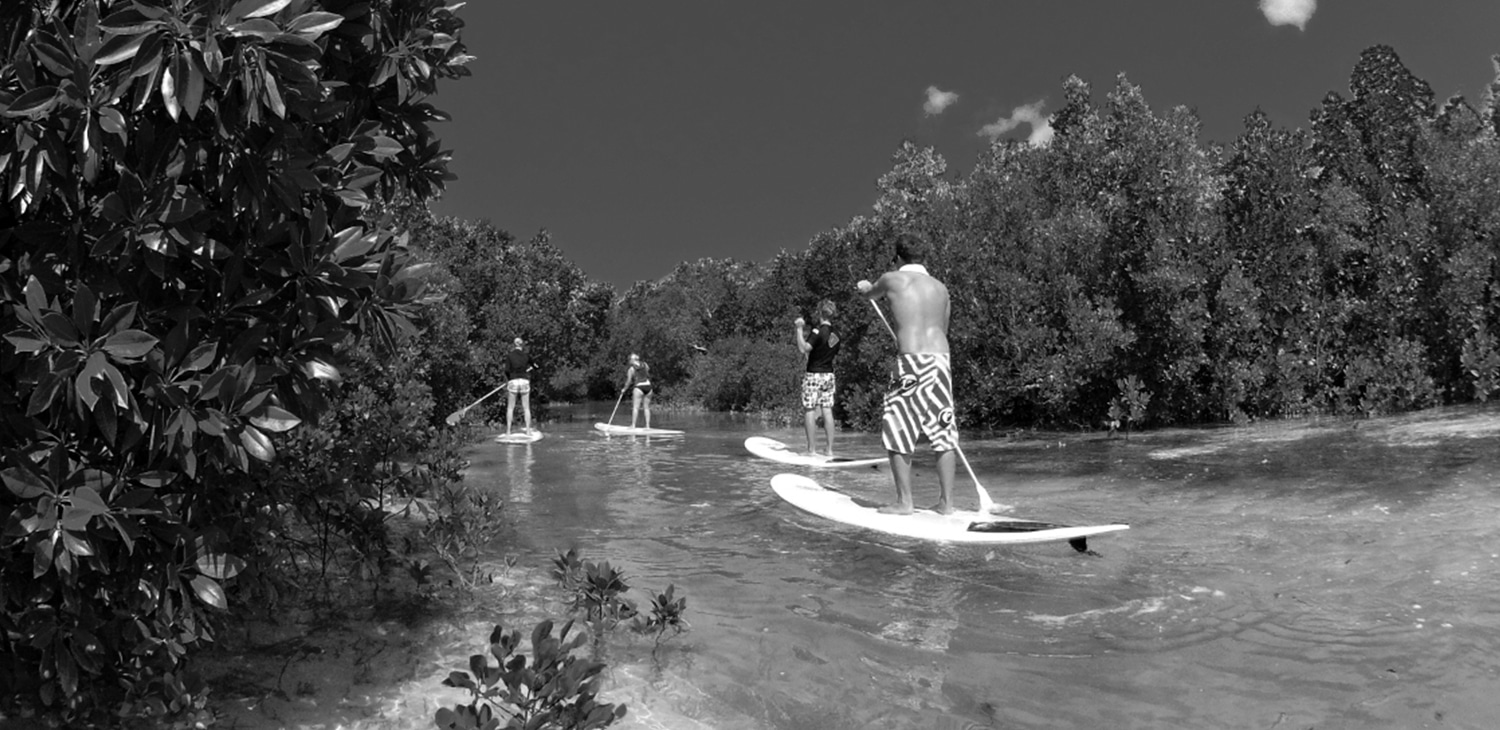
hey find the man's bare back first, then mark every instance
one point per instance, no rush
(920, 306)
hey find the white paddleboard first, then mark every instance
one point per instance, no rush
(974, 528)
(636, 431)
(519, 437)
(769, 448)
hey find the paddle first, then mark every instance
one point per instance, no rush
(986, 504)
(454, 417)
(611, 420)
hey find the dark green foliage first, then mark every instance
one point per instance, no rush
(550, 690)
(1031, 342)
(596, 589)
(739, 373)
(184, 256)
(1490, 114)
(1463, 153)
(1266, 338)
(337, 482)
(1129, 407)
(665, 615)
(670, 322)
(495, 289)
(600, 591)
(567, 569)
(462, 527)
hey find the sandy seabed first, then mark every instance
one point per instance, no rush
(381, 665)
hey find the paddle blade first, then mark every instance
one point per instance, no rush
(454, 417)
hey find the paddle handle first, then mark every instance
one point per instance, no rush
(985, 503)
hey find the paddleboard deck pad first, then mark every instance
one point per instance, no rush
(519, 437)
(637, 431)
(972, 528)
(769, 448)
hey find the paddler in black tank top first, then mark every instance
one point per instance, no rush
(818, 383)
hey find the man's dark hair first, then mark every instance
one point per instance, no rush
(911, 248)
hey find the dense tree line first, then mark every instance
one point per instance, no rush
(1347, 268)
(1128, 266)
(490, 288)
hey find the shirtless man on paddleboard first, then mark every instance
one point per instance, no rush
(921, 404)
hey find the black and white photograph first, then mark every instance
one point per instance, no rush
(789, 365)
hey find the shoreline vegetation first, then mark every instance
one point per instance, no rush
(192, 441)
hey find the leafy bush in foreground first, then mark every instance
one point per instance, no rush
(554, 690)
(183, 248)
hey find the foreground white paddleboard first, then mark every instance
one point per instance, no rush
(637, 431)
(769, 448)
(960, 527)
(519, 437)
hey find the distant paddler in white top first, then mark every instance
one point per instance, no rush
(517, 383)
(638, 382)
(818, 383)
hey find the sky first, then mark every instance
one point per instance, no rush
(646, 133)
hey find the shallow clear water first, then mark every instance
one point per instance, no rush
(1318, 573)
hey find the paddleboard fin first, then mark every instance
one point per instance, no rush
(1081, 544)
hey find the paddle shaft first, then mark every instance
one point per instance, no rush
(612, 413)
(985, 503)
(454, 416)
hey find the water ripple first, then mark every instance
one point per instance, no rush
(1319, 573)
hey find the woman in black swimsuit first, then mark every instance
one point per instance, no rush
(638, 381)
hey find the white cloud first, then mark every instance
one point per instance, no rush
(938, 100)
(1289, 12)
(1041, 131)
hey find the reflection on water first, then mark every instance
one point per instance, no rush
(519, 460)
(1330, 574)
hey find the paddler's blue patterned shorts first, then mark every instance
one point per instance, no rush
(817, 391)
(921, 406)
